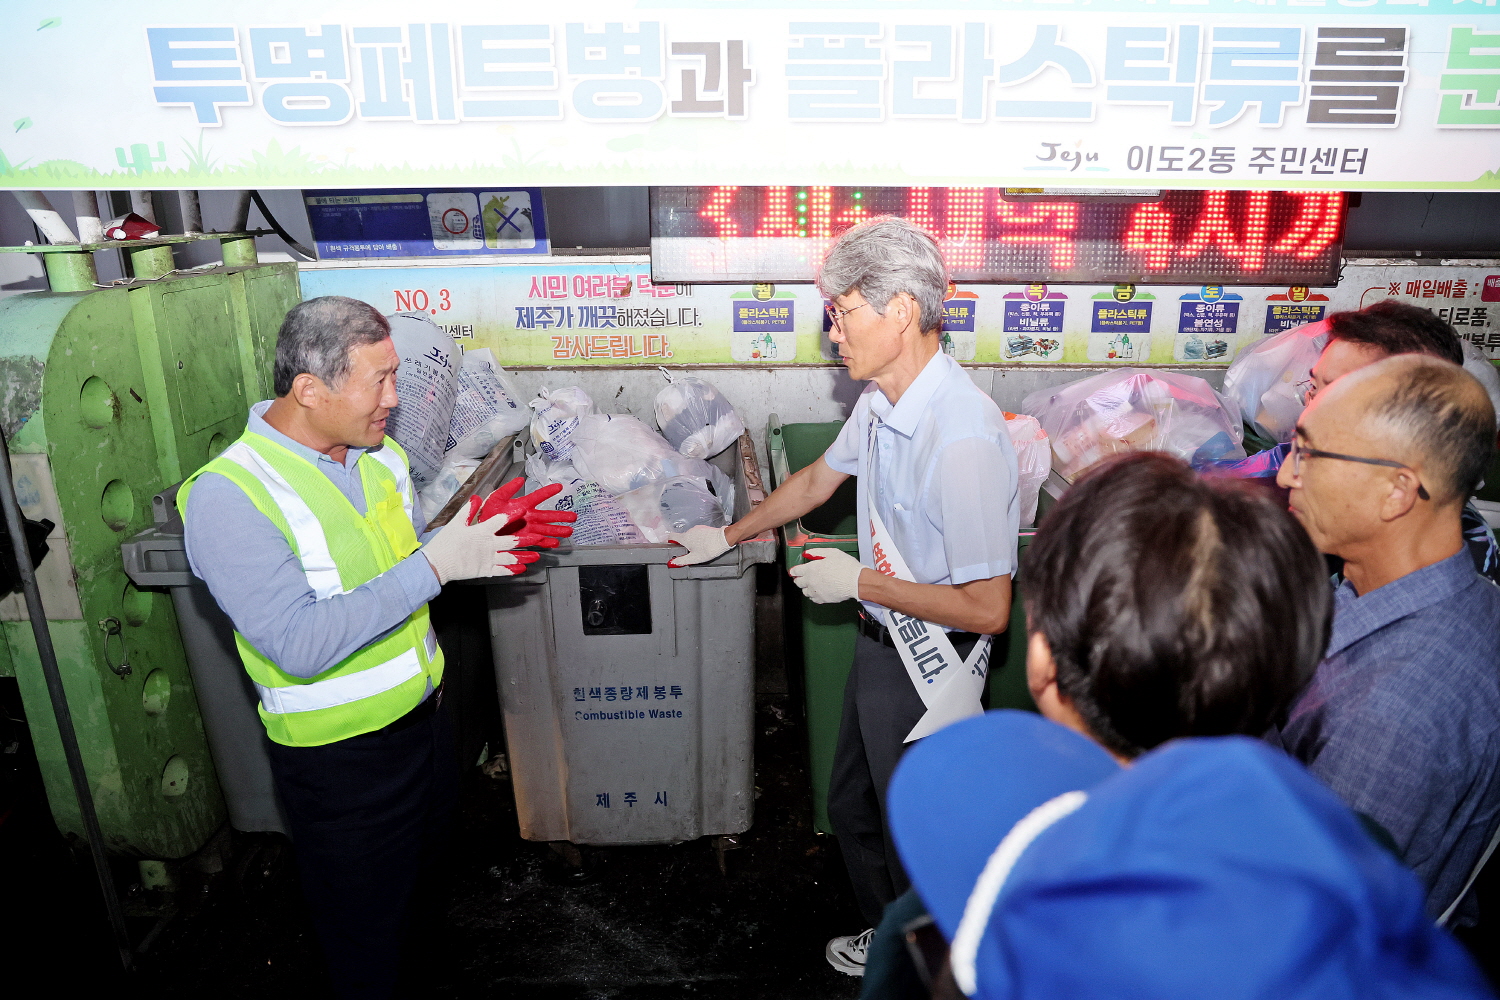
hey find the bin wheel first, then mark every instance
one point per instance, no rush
(722, 845)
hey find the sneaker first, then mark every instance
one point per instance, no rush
(847, 953)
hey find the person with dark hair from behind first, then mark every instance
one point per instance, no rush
(1357, 338)
(1126, 844)
(1148, 597)
(1402, 718)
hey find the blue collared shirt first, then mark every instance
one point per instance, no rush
(1402, 718)
(257, 579)
(947, 486)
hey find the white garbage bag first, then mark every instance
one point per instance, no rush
(487, 409)
(695, 417)
(1269, 378)
(1131, 409)
(449, 478)
(622, 454)
(601, 518)
(1033, 458)
(427, 384)
(557, 415)
(673, 505)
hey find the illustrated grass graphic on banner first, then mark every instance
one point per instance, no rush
(1296, 95)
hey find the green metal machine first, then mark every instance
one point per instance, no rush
(107, 396)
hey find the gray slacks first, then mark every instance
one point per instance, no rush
(880, 708)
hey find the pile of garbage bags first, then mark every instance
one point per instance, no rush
(1132, 409)
(454, 407)
(628, 483)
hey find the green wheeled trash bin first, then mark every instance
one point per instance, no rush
(828, 630)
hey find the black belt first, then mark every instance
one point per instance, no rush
(424, 709)
(872, 629)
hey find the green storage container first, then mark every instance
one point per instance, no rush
(828, 630)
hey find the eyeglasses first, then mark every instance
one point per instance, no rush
(835, 316)
(1299, 452)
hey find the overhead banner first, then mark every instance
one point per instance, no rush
(612, 313)
(1227, 94)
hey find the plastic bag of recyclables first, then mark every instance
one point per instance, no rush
(1033, 458)
(601, 518)
(486, 410)
(1132, 409)
(448, 481)
(622, 454)
(1269, 378)
(695, 418)
(673, 505)
(427, 384)
(557, 414)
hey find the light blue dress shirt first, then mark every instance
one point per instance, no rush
(257, 579)
(946, 485)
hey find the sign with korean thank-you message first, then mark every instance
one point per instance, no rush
(1223, 94)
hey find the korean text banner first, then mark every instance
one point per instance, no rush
(611, 313)
(1284, 94)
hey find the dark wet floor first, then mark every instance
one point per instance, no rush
(508, 919)
(511, 918)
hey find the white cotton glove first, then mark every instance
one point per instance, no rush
(702, 543)
(828, 576)
(469, 551)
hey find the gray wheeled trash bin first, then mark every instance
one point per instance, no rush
(236, 737)
(628, 687)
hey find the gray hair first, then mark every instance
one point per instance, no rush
(1440, 412)
(883, 257)
(318, 335)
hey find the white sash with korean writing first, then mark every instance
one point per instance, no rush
(949, 685)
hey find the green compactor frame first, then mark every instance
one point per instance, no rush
(108, 395)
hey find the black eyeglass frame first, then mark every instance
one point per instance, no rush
(1299, 452)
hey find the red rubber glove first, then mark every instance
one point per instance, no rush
(540, 529)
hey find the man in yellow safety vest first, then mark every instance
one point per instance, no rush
(307, 533)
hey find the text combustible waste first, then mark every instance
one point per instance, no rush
(627, 714)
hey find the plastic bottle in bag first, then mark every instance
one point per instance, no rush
(695, 418)
(1131, 409)
(1268, 378)
(450, 477)
(486, 410)
(671, 505)
(427, 384)
(622, 454)
(557, 414)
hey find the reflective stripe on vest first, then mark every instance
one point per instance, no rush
(334, 691)
(312, 545)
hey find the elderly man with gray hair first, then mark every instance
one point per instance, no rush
(1402, 717)
(938, 516)
(307, 534)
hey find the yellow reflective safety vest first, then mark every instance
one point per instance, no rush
(339, 550)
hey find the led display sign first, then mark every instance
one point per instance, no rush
(749, 234)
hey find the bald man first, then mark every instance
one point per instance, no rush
(1402, 718)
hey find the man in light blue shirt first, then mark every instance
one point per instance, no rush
(938, 474)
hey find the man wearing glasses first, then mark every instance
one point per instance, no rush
(1402, 717)
(938, 516)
